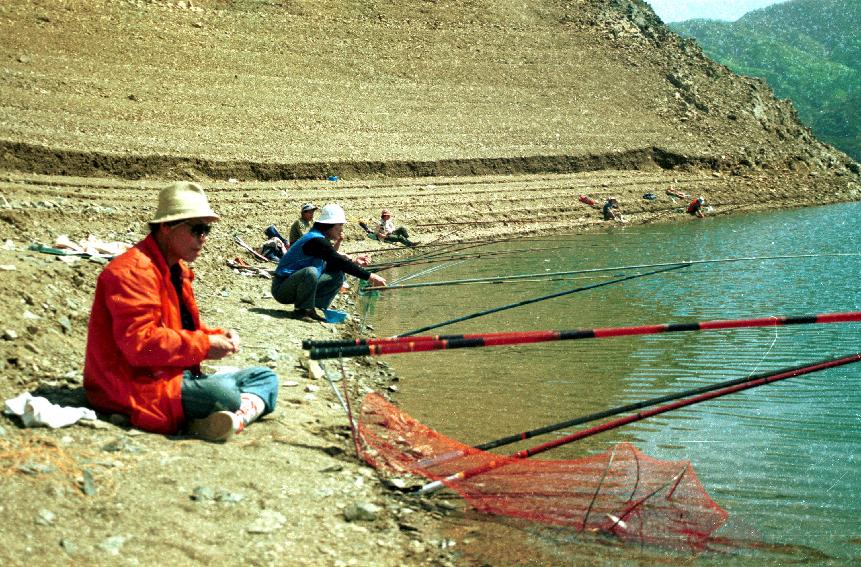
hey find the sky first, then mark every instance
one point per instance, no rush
(729, 10)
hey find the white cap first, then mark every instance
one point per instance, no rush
(332, 214)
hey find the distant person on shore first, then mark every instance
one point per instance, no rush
(146, 342)
(302, 224)
(695, 207)
(386, 231)
(312, 271)
(611, 210)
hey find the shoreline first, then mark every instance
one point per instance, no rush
(296, 469)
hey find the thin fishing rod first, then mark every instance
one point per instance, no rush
(326, 353)
(554, 218)
(393, 248)
(401, 344)
(616, 423)
(534, 300)
(454, 247)
(475, 255)
(487, 445)
(427, 256)
(593, 270)
(466, 244)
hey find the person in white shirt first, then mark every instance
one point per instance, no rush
(387, 232)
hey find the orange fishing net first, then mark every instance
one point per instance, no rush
(622, 492)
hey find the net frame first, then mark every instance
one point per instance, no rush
(622, 491)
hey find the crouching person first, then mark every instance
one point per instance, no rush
(146, 342)
(312, 271)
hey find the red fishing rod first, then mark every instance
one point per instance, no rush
(398, 345)
(613, 424)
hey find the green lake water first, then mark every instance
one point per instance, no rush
(782, 459)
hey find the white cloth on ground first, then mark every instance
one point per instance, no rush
(38, 411)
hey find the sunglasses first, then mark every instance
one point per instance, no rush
(197, 229)
(200, 229)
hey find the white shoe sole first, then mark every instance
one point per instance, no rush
(219, 426)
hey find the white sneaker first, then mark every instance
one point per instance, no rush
(218, 426)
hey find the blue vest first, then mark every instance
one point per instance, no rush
(295, 259)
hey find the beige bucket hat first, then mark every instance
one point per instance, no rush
(182, 200)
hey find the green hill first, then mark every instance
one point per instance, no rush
(809, 51)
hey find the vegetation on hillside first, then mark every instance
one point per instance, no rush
(809, 51)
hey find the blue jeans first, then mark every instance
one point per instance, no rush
(203, 395)
(307, 289)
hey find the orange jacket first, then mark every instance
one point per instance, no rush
(136, 346)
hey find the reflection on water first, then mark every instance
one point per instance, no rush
(780, 458)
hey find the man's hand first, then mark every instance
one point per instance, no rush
(234, 338)
(363, 259)
(220, 346)
(377, 281)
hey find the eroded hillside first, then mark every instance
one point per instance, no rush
(273, 90)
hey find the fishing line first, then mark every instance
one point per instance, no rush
(593, 270)
(427, 271)
(534, 300)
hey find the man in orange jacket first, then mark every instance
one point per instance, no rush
(146, 341)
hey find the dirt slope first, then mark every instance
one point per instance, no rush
(306, 82)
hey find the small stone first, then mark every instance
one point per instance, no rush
(362, 511)
(9, 335)
(395, 483)
(312, 388)
(417, 547)
(267, 522)
(68, 546)
(270, 355)
(113, 545)
(45, 517)
(97, 424)
(87, 483)
(121, 444)
(118, 419)
(202, 494)
(35, 468)
(229, 497)
(65, 324)
(7, 267)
